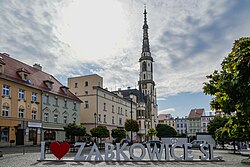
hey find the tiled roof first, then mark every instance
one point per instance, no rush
(164, 116)
(36, 77)
(196, 113)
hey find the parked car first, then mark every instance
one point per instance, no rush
(153, 142)
(197, 143)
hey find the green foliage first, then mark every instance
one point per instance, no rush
(74, 130)
(231, 89)
(131, 125)
(118, 134)
(164, 130)
(152, 132)
(100, 132)
(216, 123)
(222, 135)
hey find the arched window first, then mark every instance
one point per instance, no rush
(144, 66)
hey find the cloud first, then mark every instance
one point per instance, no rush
(166, 111)
(188, 39)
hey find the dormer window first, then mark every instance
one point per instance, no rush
(49, 84)
(24, 74)
(65, 89)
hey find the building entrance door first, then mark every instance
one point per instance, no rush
(19, 137)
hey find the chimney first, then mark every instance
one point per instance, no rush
(38, 67)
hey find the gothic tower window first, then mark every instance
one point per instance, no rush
(144, 66)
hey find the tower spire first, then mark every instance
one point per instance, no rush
(145, 43)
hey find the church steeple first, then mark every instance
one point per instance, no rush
(145, 43)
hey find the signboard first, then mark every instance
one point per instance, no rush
(119, 153)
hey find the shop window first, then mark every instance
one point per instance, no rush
(49, 135)
(32, 134)
(4, 134)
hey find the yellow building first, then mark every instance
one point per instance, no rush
(100, 106)
(20, 105)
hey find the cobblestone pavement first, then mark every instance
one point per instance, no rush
(30, 159)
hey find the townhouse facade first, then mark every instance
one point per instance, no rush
(182, 125)
(23, 118)
(100, 106)
(194, 121)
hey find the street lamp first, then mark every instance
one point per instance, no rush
(131, 97)
(95, 119)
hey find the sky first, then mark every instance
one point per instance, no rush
(68, 38)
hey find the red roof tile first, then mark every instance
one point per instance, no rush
(36, 77)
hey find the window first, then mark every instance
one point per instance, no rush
(99, 118)
(20, 93)
(121, 110)
(113, 120)
(6, 90)
(21, 113)
(65, 103)
(74, 120)
(5, 111)
(120, 121)
(104, 95)
(86, 83)
(104, 107)
(55, 118)
(104, 118)
(34, 97)
(76, 85)
(74, 106)
(118, 110)
(47, 99)
(113, 109)
(181, 125)
(4, 134)
(46, 117)
(56, 101)
(33, 114)
(86, 104)
(126, 112)
(177, 125)
(86, 92)
(144, 66)
(65, 119)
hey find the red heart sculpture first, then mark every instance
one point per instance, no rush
(59, 150)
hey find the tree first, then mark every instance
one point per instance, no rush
(216, 123)
(164, 130)
(222, 135)
(118, 134)
(73, 130)
(231, 89)
(100, 132)
(152, 132)
(131, 125)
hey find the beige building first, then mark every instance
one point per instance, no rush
(100, 106)
(167, 119)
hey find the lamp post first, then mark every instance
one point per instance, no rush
(95, 119)
(131, 97)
